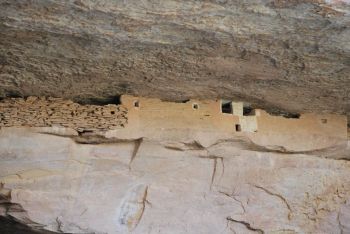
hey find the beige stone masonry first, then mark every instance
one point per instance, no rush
(46, 112)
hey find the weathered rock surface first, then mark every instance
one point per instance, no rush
(291, 55)
(152, 186)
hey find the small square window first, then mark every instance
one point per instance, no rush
(195, 106)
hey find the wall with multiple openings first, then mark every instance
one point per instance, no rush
(138, 117)
(45, 112)
(148, 116)
(151, 113)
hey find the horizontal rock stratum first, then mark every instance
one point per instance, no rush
(276, 54)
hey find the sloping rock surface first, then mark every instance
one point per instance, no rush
(290, 55)
(53, 183)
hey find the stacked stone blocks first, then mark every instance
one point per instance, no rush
(46, 112)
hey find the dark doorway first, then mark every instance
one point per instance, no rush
(248, 110)
(238, 128)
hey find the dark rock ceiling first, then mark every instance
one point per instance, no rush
(290, 55)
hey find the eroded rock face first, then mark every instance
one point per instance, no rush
(150, 187)
(291, 55)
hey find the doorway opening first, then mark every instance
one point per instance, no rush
(238, 127)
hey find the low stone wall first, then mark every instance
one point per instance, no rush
(44, 112)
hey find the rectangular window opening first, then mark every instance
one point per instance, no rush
(226, 107)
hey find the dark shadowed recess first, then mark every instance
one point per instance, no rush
(11, 226)
(285, 114)
(100, 102)
(87, 101)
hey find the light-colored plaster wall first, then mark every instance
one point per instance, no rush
(310, 131)
(155, 113)
(158, 118)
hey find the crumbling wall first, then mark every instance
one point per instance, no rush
(45, 112)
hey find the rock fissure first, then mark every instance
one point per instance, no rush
(246, 224)
(213, 173)
(341, 226)
(215, 165)
(290, 212)
(59, 225)
(137, 146)
(232, 196)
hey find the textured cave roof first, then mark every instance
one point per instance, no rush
(280, 55)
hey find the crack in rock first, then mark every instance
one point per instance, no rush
(246, 224)
(214, 172)
(138, 143)
(215, 160)
(340, 225)
(232, 196)
(279, 196)
(59, 225)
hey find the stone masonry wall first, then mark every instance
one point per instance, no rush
(45, 112)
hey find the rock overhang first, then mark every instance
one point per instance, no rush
(278, 55)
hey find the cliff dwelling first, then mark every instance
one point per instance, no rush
(135, 117)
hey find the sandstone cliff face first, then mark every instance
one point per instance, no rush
(73, 168)
(291, 55)
(154, 186)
